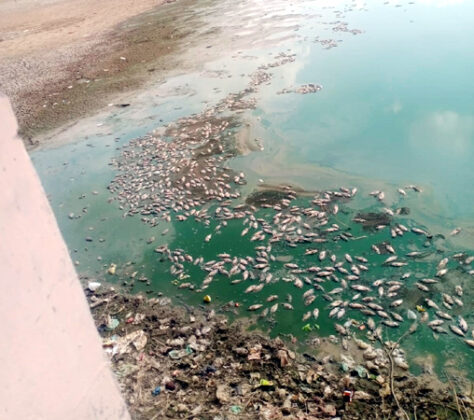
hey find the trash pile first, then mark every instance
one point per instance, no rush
(186, 362)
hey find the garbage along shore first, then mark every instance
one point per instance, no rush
(191, 362)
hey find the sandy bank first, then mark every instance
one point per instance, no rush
(63, 59)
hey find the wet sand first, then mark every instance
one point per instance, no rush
(63, 60)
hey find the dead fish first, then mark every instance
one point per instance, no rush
(369, 354)
(458, 290)
(259, 287)
(448, 299)
(264, 313)
(469, 342)
(402, 191)
(250, 288)
(398, 264)
(439, 330)
(431, 304)
(340, 313)
(443, 263)
(288, 306)
(348, 258)
(458, 301)
(378, 282)
(455, 232)
(272, 298)
(368, 312)
(255, 307)
(322, 255)
(315, 313)
(289, 298)
(429, 281)
(435, 323)
(414, 254)
(396, 303)
(274, 308)
(396, 316)
(376, 249)
(462, 323)
(333, 312)
(390, 323)
(390, 259)
(208, 237)
(306, 316)
(360, 288)
(371, 323)
(444, 315)
(340, 329)
(418, 231)
(361, 344)
(336, 290)
(244, 232)
(441, 272)
(456, 330)
(307, 293)
(422, 287)
(298, 283)
(309, 300)
(335, 303)
(291, 265)
(383, 314)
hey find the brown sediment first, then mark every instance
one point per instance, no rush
(199, 365)
(55, 76)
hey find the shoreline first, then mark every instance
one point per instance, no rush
(64, 62)
(212, 367)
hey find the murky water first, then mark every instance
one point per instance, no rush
(396, 108)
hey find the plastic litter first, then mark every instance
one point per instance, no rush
(265, 383)
(93, 285)
(112, 269)
(156, 391)
(178, 354)
(235, 409)
(347, 396)
(361, 371)
(207, 299)
(112, 323)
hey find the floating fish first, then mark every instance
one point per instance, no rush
(306, 316)
(396, 303)
(456, 330)
(455, 232)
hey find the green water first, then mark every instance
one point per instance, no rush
(396, 108)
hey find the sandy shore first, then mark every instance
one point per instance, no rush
(63, 59)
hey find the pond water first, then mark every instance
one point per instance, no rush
(396, 108)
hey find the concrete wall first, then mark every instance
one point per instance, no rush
(51, 361)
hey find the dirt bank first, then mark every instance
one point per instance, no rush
(63, 59)
(175, 362)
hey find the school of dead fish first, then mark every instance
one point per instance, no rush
(181, 174)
